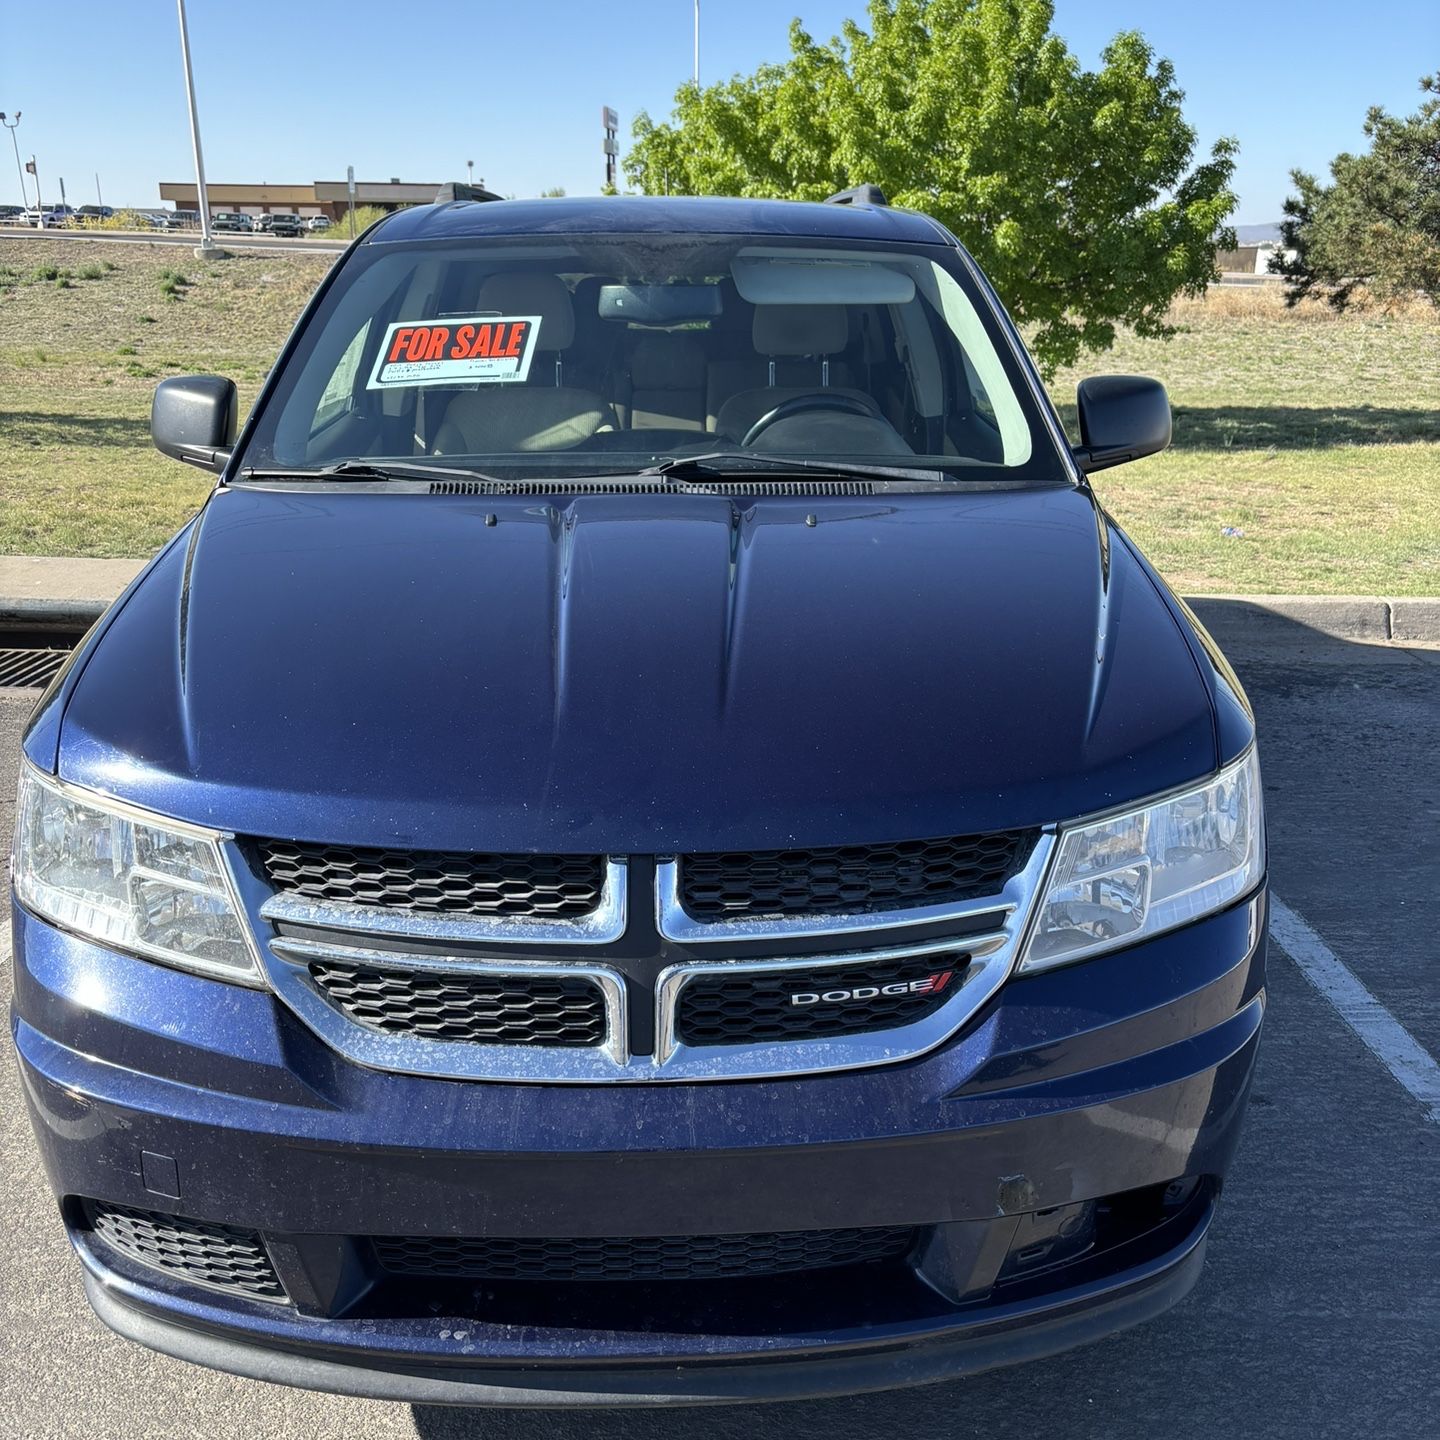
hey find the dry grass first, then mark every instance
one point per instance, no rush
(78, 365)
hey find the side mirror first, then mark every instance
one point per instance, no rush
(1122, 417)
(192, 418)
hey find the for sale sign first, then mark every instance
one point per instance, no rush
(462, 348)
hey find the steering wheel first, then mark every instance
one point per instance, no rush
(800, 404)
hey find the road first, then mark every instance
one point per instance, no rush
(1319, 1310)
(190, 238)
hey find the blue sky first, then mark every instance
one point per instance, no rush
(294, 90)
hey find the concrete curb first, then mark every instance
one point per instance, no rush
(1368, 619)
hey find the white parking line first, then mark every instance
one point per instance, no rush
(1385, 1037)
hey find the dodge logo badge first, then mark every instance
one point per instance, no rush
(930, 985)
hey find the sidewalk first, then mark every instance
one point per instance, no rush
(37, 590)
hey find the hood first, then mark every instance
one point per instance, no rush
(639, 674)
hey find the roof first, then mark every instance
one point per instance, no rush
(630, 214)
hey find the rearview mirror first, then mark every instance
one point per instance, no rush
(1122, 417)
(192, 418)
(659, 304)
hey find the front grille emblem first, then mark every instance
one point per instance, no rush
(928, 985)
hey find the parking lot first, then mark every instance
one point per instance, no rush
(1319, 1310)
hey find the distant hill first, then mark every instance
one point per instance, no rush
(1257, 234)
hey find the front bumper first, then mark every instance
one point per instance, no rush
(1092, 1110)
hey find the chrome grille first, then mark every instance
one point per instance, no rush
(552, 887)
(851, 879)
(482, 1009)
(529, 1001)
(674, 1257)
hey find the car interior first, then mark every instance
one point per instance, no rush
(771, 357)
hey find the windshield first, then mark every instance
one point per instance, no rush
(608, 355)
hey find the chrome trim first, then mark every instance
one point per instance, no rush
(674, 922)
(992, 960)
(992, 957)
(604, 924)
(673, 981)
(289, 973)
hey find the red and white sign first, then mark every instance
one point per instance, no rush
(486, 348)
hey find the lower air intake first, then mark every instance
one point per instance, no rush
(674, 1257)
(219, 1257)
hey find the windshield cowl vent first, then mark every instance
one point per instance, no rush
(736, 485)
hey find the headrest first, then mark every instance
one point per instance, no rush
(793, 330)
(667, 362)
(524, 292)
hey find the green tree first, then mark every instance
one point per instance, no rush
(1377, 224)
(1073, 188)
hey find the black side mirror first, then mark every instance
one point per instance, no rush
(1122, 417)
(192, 418)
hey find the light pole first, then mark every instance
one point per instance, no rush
(470, 166)
(697, 44)
(207, 248)
(11, 126)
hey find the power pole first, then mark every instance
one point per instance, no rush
(697, 44)
(207, 248)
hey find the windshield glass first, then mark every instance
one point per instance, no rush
(606, 355)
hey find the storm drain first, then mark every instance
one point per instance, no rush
(29, 668)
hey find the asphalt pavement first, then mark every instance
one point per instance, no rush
(1319, 1310)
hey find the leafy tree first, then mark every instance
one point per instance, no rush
(1377, 224)
(555, 192)
(1073, 188)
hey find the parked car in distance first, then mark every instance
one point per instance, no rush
(48, 217)
(651, 843)
(284, 224)
(12, 214)
(319, 222)
(231, 220)
(89, 213)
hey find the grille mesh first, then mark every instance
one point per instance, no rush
(486, 1009)
(683, 1257)
(854, 879)
(540, 886)
(749, 1008)
(216, 1255)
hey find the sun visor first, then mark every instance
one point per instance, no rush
(772, 280)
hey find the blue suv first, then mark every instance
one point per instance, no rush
(651, 842)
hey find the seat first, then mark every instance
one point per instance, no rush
(667, 382)
(795, 343)
(542, 412)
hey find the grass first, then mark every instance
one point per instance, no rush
(78, 475)
(1315, 437)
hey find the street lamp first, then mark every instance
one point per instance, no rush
(11, 126)
(470, 166)
(207, 242)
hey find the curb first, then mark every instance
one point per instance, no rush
(1285, 619)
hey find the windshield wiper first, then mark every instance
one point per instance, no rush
(724, 463)
(375, 470)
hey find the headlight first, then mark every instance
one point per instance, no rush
(134, 882)
(1127, 877)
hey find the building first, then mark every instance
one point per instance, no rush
(320, 197)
